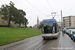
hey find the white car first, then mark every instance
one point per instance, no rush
(66, 31)
(70, 31)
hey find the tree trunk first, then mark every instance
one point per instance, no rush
(9, 21)
(25, 25)
(20, 25)
(9, 18)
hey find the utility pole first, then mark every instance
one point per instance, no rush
(61, 20)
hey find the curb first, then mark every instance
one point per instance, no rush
(10, 42)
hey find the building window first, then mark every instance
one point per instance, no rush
(69, 24)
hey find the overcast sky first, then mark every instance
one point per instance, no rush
(43, 8)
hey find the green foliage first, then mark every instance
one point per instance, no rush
(20, 19)
(40, 26)
(7, 13)
(4, 9)
(25, 22)
(9, 34)
(11, 13)
(30, 27)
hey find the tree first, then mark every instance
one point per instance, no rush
(11, 13)
(6, 11)
(22, 14)
(20, 19)
(25, 22)
(30, 27)
(40, 26)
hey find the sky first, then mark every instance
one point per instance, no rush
(43, 9)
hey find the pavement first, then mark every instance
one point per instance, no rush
(66, 43)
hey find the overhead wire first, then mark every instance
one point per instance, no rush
(51, 8)
(49, 5)
(36, 8)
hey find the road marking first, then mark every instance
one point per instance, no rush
(43, 45)
(59, 46)
(40, 45)
(26, 44)
(32, 45)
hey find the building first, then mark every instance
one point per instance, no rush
(37, 22)
(69, 21)
(36, 25)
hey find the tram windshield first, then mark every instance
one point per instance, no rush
(48, 24)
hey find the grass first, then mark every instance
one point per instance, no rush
(9, 34)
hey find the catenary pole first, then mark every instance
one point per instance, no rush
(61, 20)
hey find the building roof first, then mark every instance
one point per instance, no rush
(68, 16)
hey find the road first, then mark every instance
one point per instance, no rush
(37, 43)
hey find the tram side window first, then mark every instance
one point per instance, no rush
(56, 28)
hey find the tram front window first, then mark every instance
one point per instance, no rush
(48, 24)
(48, 27)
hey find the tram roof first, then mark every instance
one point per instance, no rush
(49, 20)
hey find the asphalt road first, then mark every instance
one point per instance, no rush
(37, 43)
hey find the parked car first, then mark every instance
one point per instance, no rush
(67, 31)
(73, 35)
(70, 30)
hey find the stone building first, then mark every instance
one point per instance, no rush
(69, 21)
